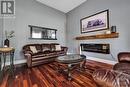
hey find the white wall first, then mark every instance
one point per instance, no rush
(119, 16)
(30, 12)
(1, 31)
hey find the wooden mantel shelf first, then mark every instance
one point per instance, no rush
(99, 36)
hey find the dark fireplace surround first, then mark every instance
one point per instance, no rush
(97, 48)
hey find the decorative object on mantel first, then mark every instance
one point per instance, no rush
(99, 36)
(8, 35)
(113, 29)
(96, 22)
(108, 32)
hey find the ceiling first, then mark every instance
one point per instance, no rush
(62, 5)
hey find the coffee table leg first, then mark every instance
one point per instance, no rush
(84, 62)
(12, 64)
(4, 56)
(82, 65)
(69, 72)
(59, 68)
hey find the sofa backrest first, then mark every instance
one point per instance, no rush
(46, 47)
(124, 57)
(41, 47)
(37, 46)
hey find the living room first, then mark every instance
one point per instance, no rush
(68, 26)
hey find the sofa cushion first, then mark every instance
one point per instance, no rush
(33, 49)
(57, 47)
(47, 52)
(44, 54)
(39, 54)
(51, 54)
(122, 67)
(111, 78)
(45, 47)
(52, 45)
(37, 46)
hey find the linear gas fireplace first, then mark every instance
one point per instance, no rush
(97, 48)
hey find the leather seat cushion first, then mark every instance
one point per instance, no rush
(43, 54)
(122, 67)
(111, 78)
(43, 58)
(39, 54)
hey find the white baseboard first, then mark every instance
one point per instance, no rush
(69, 53)
(17, 62)
(20, 61)
(101, 60)
(88, 57)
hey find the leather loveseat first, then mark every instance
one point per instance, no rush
(42, 53)
(118, 77)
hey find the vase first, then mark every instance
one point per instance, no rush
(6, 42)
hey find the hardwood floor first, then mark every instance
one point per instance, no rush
(48, 76)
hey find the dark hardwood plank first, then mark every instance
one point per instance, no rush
(47, 75)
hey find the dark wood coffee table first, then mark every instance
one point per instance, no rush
(71, 60)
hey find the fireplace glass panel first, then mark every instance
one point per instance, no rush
(97, 48)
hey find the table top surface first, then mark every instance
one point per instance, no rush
(72, 58)
(6, 49)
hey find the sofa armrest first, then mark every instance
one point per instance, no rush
(65, 49)
(28, 56)
(27, 52)
(111, 78)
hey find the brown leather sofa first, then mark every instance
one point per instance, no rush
(42, 53)
(118, 77)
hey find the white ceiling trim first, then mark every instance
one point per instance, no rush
(62, 5)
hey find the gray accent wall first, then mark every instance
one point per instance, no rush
(31, 12)
(119, 15)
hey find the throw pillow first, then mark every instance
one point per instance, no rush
(33, 49)
(57, 47)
